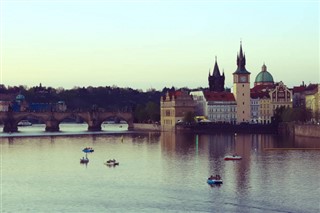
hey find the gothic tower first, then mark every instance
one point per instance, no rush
(241, 88)
(216, 80)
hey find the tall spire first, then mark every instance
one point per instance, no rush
(241, 61)
(216, 71)
(241, 52)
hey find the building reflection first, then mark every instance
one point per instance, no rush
(177, 143)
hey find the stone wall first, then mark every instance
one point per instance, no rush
(307, 130)
(148, 127)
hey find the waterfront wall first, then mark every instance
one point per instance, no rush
(228, 128)
(291, 129)
(303, 130)
(307, 130)
(148, 127)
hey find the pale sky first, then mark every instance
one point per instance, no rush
(155, 44)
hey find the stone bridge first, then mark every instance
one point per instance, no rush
(52, 120)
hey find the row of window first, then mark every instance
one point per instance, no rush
(222, 110)
(232, 116)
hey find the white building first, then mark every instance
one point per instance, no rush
(201, 103)
(221, 107)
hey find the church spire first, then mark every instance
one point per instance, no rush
(216, 71)
(241, 61)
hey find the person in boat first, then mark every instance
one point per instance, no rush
(211, 177)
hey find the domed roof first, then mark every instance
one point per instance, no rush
(20, 97)
(264, 76)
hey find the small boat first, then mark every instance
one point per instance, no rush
(214, 180)
(232, 157)
(84, 160)
(88, 149)
(24, 123)
(111, 162)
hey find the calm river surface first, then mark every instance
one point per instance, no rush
(158, 172)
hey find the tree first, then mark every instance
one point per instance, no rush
(189, 117)
(289, 114)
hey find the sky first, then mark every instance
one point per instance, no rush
(156, 43)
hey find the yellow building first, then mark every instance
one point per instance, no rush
(312, 101)
(265, 110)
(173, 108)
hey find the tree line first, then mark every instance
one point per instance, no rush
(145, 106)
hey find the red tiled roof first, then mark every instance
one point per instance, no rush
(262, 88)
(312, 87)
(259, 94)
(218, 96)
(298, 89)
(174, 94)
(7, 97)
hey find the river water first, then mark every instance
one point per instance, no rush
(158, 172)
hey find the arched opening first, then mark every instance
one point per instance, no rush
(73, 123)
(30, 123)
(114, 123)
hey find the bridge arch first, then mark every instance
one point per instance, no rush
(53, 119)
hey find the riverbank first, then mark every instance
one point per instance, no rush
(301, 130)
(229, 128)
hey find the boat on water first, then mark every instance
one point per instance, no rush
(111, 162)
(232, 157)
(214, 180)
(88, 150)
(84, 160)
(24, 123)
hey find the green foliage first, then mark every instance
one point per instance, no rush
(189, 117)
(147, 113)
(283, 114)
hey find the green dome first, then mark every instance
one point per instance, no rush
(264, 76)
(20, 97)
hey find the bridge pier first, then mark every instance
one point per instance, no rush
(52, 125)
(10, 125)
(94, 123)
(94, 128)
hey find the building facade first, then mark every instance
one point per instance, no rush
(173, 108)
(221, 107)
(312, 102)
(280, 96)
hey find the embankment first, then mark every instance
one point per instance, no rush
(303, 130)
(147, 127)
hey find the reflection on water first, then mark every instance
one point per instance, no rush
(159, 172)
